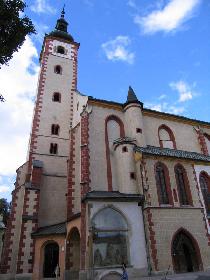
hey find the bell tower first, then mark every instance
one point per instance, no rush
(42, 180)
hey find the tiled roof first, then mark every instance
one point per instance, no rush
(151, 150)
(114, 195)
(50, 230)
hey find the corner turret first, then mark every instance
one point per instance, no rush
(133, 117)
(132, 98)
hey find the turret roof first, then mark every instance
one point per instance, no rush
(61, 29)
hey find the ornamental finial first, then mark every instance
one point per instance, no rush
(63, 11)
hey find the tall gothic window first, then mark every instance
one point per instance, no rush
(110, 238)
(205, 189)
(166, 137)
(183, 186)
(163, 185)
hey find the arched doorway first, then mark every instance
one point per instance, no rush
(73, 254)
(185, 253)
(51, 259)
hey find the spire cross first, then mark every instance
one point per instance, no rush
(63, 11)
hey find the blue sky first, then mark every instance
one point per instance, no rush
(159, 47)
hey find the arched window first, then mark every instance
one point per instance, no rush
(53, 148)
(163, 184)
(110, 238)
(183, 186)
(166, 137)
(56, 97)
(114, 129)
(58, 69)
(55, 128)
(61, 50)
(205, 189)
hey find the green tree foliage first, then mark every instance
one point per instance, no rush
(4, 209)
(14, 26)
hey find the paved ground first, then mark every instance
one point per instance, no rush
(185, 276)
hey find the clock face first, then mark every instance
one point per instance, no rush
(61, 49)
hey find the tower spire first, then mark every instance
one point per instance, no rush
(61, 28)
(63, 12)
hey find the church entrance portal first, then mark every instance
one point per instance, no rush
(185, 257)
(51, 259)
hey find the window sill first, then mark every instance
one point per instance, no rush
(166, 205)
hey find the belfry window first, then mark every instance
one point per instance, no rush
(205, 189)
(56, 97)
(183, 186)
(162, 184)
(110, 238)
(55, 128)
(61, 50)
(53, 148)
(58, 69)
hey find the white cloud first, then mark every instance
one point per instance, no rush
(167, 18)
(132, 3)
(165, 107)
(42, 6)
(18, 84)
(117, 49)
(185, 90)
(4, 189)
(162, 96)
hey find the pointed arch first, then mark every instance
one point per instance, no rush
(73, 253)
(183, 246)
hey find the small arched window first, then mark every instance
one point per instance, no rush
(205, 189)
(58, 69)
(110, 238)
(55, 128)
(166, 137)
(163, 184)
(53, 148)
(56, 97)
(61, 50)
(183, 186)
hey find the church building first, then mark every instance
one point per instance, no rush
(105, 183)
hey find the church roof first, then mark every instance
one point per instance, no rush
(157, 151)
(50, 230)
